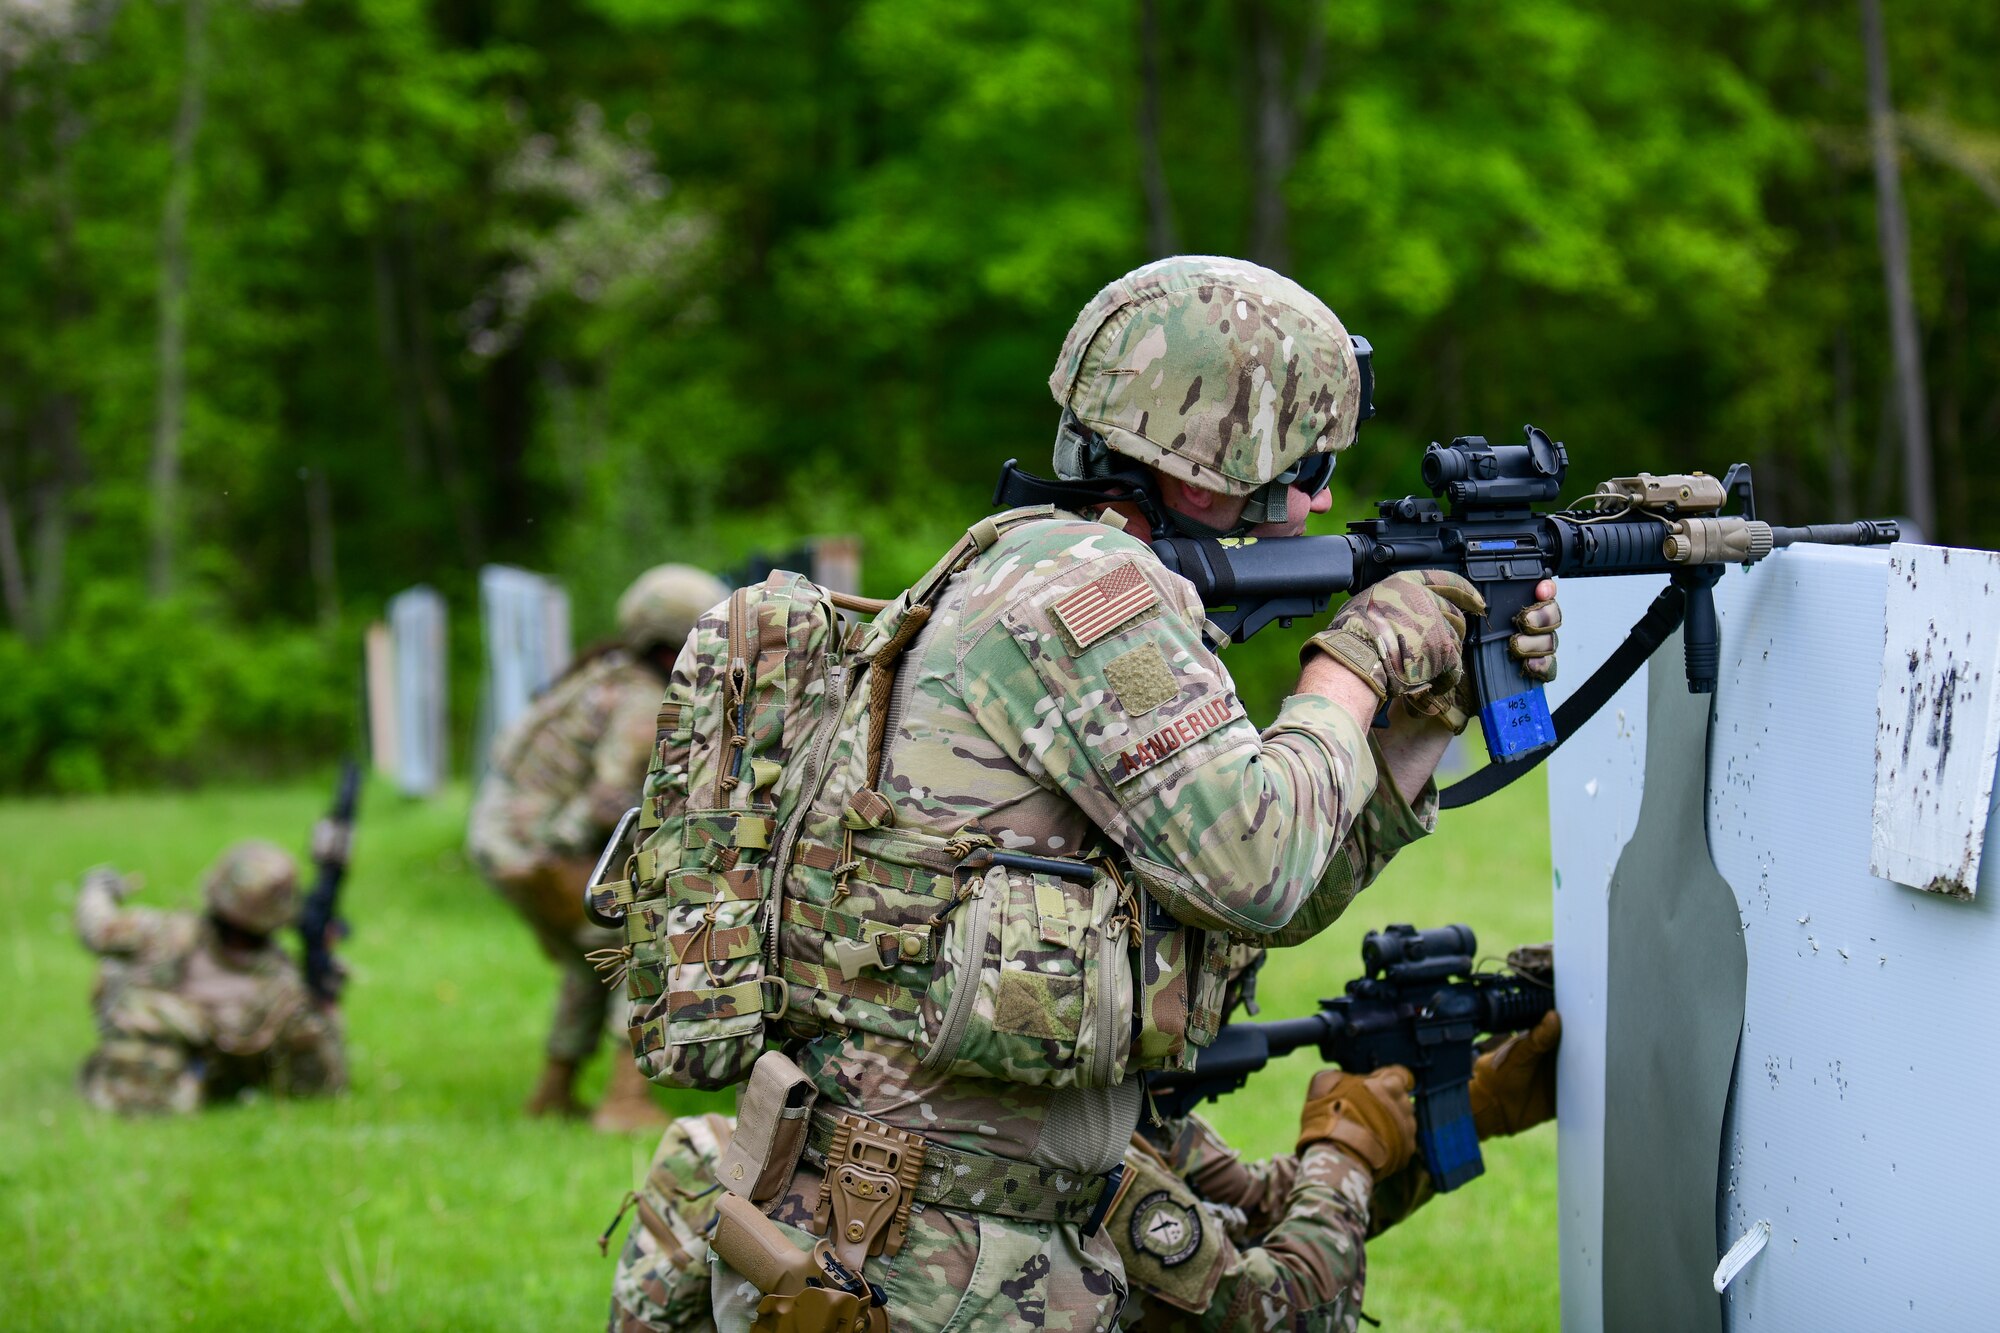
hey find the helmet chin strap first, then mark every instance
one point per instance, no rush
(1269, 503)
(1090, 474)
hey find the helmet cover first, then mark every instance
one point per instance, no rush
(1217, 371)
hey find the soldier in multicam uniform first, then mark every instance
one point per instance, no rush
(1208, 1240)
(193, 1009)
(560, 778)
(1056, 698)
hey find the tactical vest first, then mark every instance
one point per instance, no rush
(771, 894)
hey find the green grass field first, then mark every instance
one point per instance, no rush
(423, 1199)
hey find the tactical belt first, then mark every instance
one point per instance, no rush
(973, 1183)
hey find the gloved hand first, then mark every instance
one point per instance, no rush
(1369, 1118)
(1514, 1084)
(1534, 647)
(1405, 636)
(120, 887)
(1538, 621)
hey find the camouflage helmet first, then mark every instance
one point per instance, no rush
(663, 603)
(254, 886)
(1216, 371)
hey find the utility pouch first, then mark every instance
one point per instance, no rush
(1033, 981)
(1182, 977)
(772, 1114)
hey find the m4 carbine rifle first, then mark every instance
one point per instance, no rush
(1420, 1006)
(320, 926)
(1482, 523)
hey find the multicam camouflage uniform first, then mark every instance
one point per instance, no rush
(1212, 1242)
(1060, 701)
(559, 781)
(661, 1285)
(1207, 1240)
(186, 1016)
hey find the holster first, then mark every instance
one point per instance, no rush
(868, 1189)
(771, 1118)
(805, 1291)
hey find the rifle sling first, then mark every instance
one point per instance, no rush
(1660, 620)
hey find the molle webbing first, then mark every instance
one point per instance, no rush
(882, 680)
(974, 1183)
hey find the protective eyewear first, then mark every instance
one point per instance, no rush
(1311, 474)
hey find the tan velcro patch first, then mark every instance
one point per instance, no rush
(1141, 679)
(1029, 1004)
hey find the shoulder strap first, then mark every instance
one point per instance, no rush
(922, 598)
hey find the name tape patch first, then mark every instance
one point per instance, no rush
(1184, 730)
(1089, 613)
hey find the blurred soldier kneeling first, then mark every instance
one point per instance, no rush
(193, 1009)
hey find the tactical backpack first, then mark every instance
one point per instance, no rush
(748, 704)
(771, 894)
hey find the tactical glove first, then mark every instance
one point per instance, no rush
(1534, 647)
(1405, 636)
(1368, 1118)
(120, 887)
(1514, 1084)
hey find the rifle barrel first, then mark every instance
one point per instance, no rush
(1865, 532)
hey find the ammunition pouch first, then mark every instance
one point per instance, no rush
(770, 1130)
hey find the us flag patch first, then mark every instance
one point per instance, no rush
(1102, 605)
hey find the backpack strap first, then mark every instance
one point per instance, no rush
(922, 600)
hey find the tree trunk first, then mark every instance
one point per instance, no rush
(1278, 104)
(1270, 139)
(53, 433)
(58, 427)
(319, 545)
(1893, 226)
(436, 403)
(1162, 237)
(171, 404)
(13, 578)
(395, 367)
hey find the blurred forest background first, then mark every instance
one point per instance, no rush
(304, 301)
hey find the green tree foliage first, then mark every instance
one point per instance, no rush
(588, 285)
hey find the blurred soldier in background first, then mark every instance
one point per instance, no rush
(561, 777)
(196, 1009)
(1208, 1240)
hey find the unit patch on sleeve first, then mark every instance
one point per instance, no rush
(1189, 727)
(1092, 611)
(1166, 1228)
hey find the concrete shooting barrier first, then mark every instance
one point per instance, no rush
(524, 621)
(1777, 953)
(418, 667)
